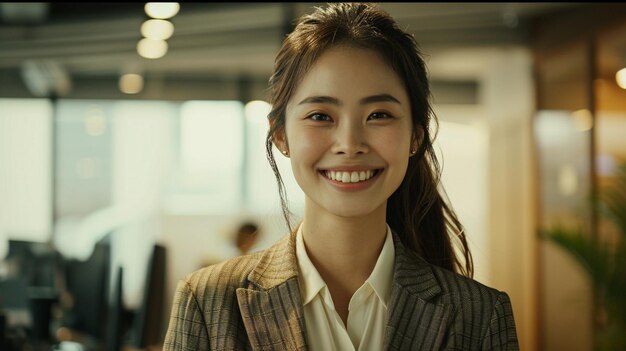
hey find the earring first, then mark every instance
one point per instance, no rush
(286, 153)
(412, 152)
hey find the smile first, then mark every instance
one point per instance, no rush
(350, 177)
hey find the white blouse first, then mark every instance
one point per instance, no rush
(367, 310)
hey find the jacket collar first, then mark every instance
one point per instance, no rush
(271, 307)
(273, 312)
(276, 265)
(413, 273)
(416, 319)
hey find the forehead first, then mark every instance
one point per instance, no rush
(347, 72)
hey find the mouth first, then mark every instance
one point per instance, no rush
(350, 176)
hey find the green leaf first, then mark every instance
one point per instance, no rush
(591, 254)
(604, 262)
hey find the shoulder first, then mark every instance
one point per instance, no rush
(482, 312)
(232, 273)
(459, 289)
(205, 298)
(474, 303)
(226, 277)
(430, 280)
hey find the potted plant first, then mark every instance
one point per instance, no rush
(604, 261)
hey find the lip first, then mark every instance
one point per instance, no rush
(347, 168)
(351, 187)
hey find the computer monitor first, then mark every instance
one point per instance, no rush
(88, 284)
(148, 320)
(115, 323)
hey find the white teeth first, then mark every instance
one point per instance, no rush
(349, 177)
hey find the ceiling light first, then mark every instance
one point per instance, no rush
(151, 49)
(161, 10)
(157, 29)
(620, 78)
(131, 83)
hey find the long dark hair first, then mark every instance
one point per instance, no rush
(416, 211)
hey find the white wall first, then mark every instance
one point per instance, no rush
(507, 95)
(25, 160)
(462, 142)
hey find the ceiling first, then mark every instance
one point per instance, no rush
(213, 40)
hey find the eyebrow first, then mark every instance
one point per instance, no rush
(364, 101)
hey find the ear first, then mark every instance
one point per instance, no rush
(280, 140)
(416, 138)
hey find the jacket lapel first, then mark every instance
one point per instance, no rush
(272, 311)
(415, 322)
(271, 307)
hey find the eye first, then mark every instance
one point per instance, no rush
(379, 115)
(319, 117)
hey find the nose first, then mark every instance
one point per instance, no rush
(350, 139)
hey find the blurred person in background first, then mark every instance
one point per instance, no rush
(373, 264)
(247, 234)
(245, 238)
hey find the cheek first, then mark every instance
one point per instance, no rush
(396, 142)
(306, 148)
(306, 144)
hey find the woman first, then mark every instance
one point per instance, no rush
(372, 265)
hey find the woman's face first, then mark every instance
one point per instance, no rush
(349, 131)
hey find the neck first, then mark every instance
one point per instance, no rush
(344, 250)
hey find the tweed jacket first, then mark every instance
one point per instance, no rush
(253, 302)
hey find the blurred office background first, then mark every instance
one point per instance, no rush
(126, 163)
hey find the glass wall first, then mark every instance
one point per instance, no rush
(184, 158)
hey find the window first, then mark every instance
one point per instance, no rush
(207, 178)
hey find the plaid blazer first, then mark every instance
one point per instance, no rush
(253, 302)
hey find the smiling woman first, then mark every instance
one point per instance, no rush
(345, 118)
(373, 264)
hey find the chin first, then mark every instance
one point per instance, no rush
(349, 210)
